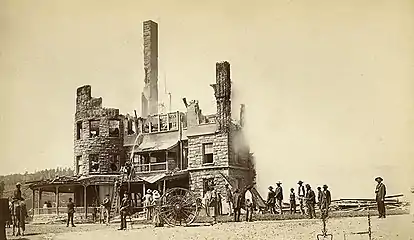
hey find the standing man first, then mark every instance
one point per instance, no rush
(292, 201)
(125, 204)
(319, 198)
(279, 197)
(271, 200)
(325, 201)
(213, 204)
(219, 204)
(71, 212)
(248, 198)
(237, 205)
(380, 192)
(17, 194)
(107, 208)
(229, 198)
(23, 216)
(301, 196)
(310, 201)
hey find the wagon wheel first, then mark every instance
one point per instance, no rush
(178, 206)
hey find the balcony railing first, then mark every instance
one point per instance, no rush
(151, 167)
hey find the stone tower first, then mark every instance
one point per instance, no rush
(98, 136)
(150, 93)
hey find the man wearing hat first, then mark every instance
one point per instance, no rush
(279, 196)
(310, 201)
(213, 203)
(319, 197)
(147, 204)
(301, 196)
(124, 210)
(271, 200)
(17, 194)
(237, 202)
(107, 208)
(380, 192)
(325, 201)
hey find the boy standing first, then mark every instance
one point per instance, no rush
(292, 201)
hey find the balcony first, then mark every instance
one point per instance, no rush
(151, 167)
(155, 167)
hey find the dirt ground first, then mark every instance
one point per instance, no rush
(393, 227)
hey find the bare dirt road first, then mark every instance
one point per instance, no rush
(393, 227)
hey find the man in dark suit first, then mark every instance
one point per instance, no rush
(237, 202)
(380, 192)
(301, 196)
(71, 211)
(271, 200)
(310, 201)
(325, 201)
(124, 210)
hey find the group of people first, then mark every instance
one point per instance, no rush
(236, 200)
(305, 196)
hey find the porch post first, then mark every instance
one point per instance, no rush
(166, 160)
(39, 199)
(85, 203)
(164, 187)
(33, 200)
(143, 189)
(57, 200)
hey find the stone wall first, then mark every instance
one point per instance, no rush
(88, 108)
(220, 150)
(197, 179)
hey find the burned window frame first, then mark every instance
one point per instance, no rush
(163, 122)
(97, 129)
(78, 165)
(130, 127)
(146, 125)
(154, 123)
(111, 130)
(114, 158)
(91, 158)
(79, 129)
(206, 156)
(172, 121)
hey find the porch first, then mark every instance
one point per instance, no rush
(158, 153)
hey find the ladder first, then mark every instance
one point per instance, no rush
(115, 201)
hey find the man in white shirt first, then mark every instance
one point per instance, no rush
(249, 204)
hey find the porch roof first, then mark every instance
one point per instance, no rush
(153, 178)
(157, 142)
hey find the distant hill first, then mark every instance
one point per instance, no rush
(8, 183)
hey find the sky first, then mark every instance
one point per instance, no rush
(328, 85)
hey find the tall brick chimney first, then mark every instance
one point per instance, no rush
(150, 92)
(222, 92)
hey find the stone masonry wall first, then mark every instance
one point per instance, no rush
(220, 150)
(197, 178)
(88, 108)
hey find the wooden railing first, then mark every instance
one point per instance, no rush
(151, 167)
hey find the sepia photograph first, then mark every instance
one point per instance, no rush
(232, 119)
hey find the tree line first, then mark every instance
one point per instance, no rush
(8, 182)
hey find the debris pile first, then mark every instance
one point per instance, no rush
(361, 204)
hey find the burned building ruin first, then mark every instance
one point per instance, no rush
(185, 149)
